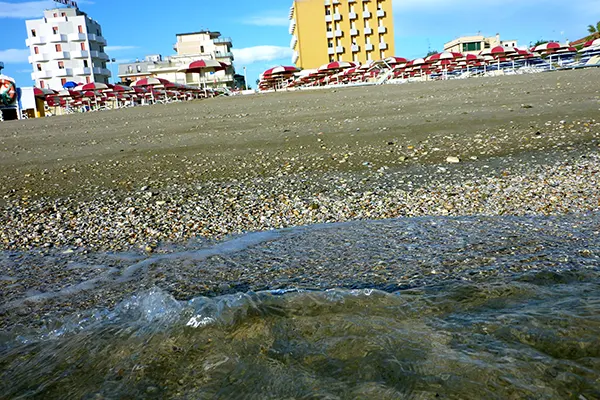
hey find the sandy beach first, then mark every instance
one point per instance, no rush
(138, 180)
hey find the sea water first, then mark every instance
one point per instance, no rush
(457, 308)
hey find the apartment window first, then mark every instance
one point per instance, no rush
(42, 84)
(61, 65)
(39, 67)
(63, 81)
(98, 32)
(82, 45)
(129, 69)
(55, 30)
(87, 79)
(475, 46)
(62, 14)
(55, 15)
(138, 68)
(58, 47)
(331, 59)
(36, 50)
(33, 33)
(80, 28)
(327, 11)
(201, 49)
(85, 63)
(329, 43)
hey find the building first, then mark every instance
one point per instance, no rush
(340, 30)
(189, 47)
(1, 66)
(476, 44)
(66, 45)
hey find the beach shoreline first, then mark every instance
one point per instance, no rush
(119, 186)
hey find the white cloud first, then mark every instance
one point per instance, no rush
(250, 55)
(268, 18)
(119, 48)
(28, 9)
(14, 56)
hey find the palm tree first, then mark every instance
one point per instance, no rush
(593, 30)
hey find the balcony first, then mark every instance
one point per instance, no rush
(368, 31)
(339, 49)
(36, 40)
(339, 33)
(103, 56)
(380, 13)
(366, 14)
(82, 71)
(368, 46)
(330, 50)
(293, 42)
(92, 37)
(295, 57)
(351, 1)
(101, 71)
(54, 20)
(381, 29)
(41, 75)
(355, 48)
(352, 16)
(60, 55)
(77, 37)
(353, 32)
(95, 54)
(329, 18)
(57, 38)
(337, 17)
(329, 34)
(292, 26)
(38, 58)
(336, 1)
(383, 46)
(61, 72)
(222, 40)
(327, 2)
(80, 54)
(224, 54)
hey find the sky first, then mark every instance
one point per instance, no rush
(259, 28)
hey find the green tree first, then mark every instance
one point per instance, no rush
(431, 52)
(594, 29)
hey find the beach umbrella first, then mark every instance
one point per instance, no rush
(591, 44)
(446, 55)
(336, 65)
(202, 66)
(279, 70)
(396, 60)
(70, 85)
(150, 83)
(43, 92)
(91, 86)
(548, 47)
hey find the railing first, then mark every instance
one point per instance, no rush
(222, 40)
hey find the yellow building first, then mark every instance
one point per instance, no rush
(340, 30)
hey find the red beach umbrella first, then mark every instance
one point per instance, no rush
(395, 60)
(336, 65)
(548, 47)
(43, 92)
(446, 55)
(281, 69)
(91, 86)
(150, 82)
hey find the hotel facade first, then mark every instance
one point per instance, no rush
(189, 47)
(66, 45)
(340, 30)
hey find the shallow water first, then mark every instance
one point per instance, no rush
(477, 308)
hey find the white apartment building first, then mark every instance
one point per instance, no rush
(207, 45)
(66, 45)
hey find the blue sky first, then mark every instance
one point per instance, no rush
(259, 28)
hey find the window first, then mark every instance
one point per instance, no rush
(55, 15)
(327, 11)
(39, 67)
(33, 33)
(201, 49)
(475, 46)
(42, 84)
(82, 46)
(98, 32)
(61, 65)
(138, 68)
(87, 79)
(85, 63)
(80, 29)
(36, 50)
(55, 30)
(62, 14)
(58, 47)
(63, 81)
(129, 69)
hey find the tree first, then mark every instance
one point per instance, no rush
(431, 52)
(594, 29)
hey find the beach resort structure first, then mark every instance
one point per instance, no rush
(340, 30)
(189, 47)
(476, 44)
(66, 45)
